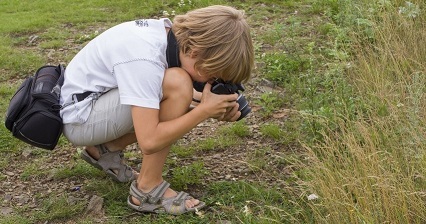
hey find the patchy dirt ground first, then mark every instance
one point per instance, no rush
(228, 164)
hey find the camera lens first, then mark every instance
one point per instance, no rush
(243, 107)
(219, 87)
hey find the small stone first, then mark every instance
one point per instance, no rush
(10, 174)
(268, 83)
(22, 199)
(224, 222)
(312, 197)
(50, 54)
(6, 211)
(95, 206)
(32, 39)
(26, 153)
(72, 200)
(8, 197)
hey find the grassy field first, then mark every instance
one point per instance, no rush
(338, 137)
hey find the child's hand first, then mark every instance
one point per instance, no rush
(232, 114)
(221, 107)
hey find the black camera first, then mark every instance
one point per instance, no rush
(221, 87)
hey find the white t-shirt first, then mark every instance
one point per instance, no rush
(130, 56)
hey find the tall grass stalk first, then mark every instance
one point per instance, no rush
(372, 170)
(363, 174)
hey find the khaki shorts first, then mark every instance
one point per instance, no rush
(108, 121)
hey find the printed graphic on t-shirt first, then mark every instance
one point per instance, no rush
(142, 23)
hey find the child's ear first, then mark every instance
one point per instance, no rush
(193, 54)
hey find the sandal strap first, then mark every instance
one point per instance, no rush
(176, 205)
(102, 149)
(112, 161)
(180, 198)
(136, 193)
(153, 197)
(157, 193)
(124, 173)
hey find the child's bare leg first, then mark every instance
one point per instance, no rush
(175, 103)
(118, 144)
(114, 145)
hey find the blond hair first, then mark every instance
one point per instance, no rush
(220, 37)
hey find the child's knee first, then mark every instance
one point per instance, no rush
(177, 84)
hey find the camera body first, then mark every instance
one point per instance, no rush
(221, 87)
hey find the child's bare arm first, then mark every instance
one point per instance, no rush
(153, 134)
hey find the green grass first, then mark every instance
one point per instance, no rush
(185, 176)
(227, 135)
(59, 24)
(59, 208)
(79, 169)
(237, 129)
(248, 203)
(351, 73)
(257, 160)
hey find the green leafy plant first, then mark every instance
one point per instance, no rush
(188, 175)
(271, 130)
(269, 102)
(183, 150)
(239, 129)
(409, 10)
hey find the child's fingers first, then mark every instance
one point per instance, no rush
(233, 97)
(236, 116)
(232, 114)
(230, 97)
(207, 87)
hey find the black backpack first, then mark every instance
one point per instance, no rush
(33, 112)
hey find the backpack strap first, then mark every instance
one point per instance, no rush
(61, 70)
(172, 51)
(81, 96)
(57, 88)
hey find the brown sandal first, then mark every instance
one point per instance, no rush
(111, 163)
(154, 202)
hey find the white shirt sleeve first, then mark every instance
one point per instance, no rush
(140, 83)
